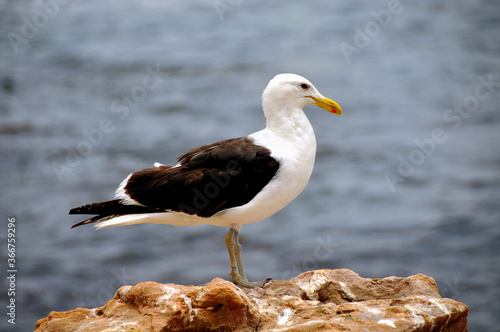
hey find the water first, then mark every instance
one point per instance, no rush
(80, 109)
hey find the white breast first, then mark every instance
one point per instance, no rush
(296, 152)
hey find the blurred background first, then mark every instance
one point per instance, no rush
(406, 182)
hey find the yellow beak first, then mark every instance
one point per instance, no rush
(328, 105)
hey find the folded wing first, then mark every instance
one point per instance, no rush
(207, 180)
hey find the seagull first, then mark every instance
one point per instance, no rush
(229, 183)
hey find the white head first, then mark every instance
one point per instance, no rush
(286, 91)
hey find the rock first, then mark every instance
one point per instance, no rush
(321, 300)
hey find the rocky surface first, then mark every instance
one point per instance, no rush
(321, 300)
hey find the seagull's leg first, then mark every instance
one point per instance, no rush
(230, 243)
(234, 249)
(237, 252)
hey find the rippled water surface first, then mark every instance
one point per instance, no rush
(406, 182)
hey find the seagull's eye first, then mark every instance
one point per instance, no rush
(304, 86)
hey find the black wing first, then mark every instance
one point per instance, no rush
(207, 180)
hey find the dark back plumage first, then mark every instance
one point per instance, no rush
(208, 179)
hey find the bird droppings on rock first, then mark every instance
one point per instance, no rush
(321, 300)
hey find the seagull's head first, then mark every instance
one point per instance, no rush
(295, 90)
